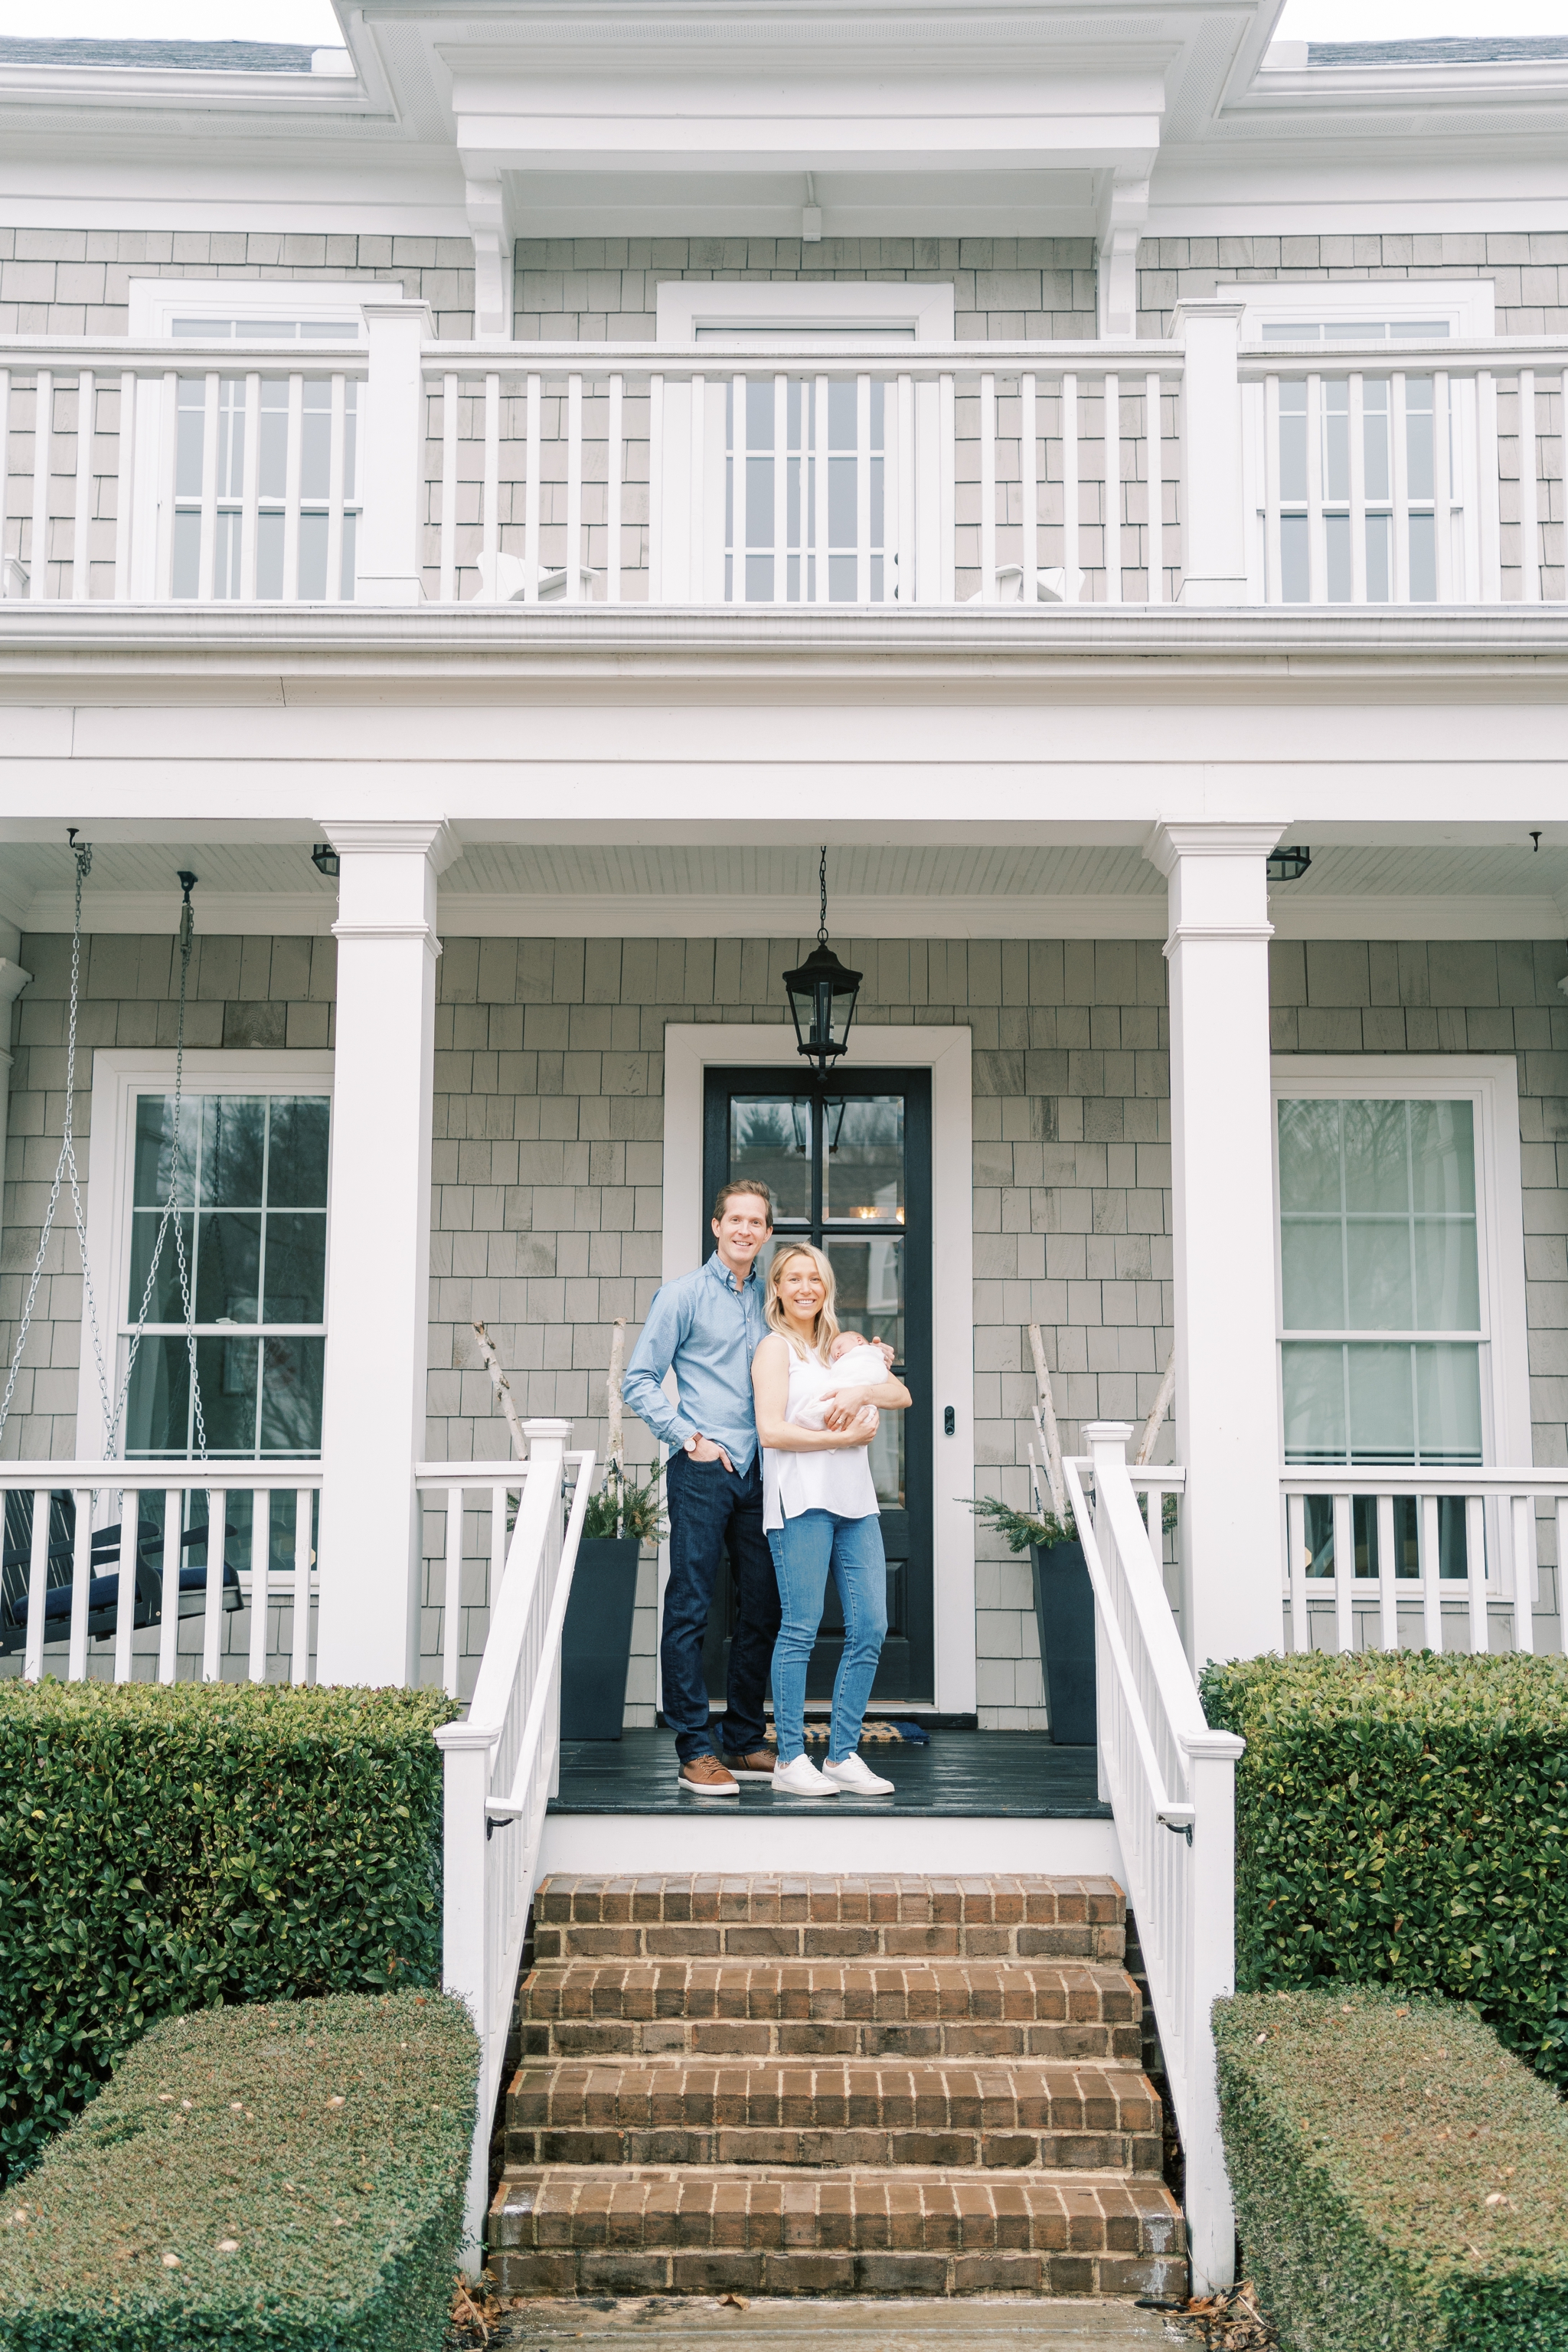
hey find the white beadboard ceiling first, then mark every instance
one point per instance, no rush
(770, 890)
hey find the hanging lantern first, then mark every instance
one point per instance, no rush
(822, 993)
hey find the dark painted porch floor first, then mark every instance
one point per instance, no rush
(1018, 1774)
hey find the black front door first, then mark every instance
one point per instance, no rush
(848, 1166)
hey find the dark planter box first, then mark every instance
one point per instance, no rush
(1064, 1613)
(596, 1640)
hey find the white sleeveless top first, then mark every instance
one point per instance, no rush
(840, 1482)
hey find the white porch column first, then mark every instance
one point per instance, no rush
(1222, 1189)
(392, 470)
(378, 1248)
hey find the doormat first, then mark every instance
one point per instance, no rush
(913, 1735)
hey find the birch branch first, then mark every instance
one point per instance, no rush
(1046, 1416)
(503, 1387)
(1157, 1412)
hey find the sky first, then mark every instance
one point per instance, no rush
(313, 20)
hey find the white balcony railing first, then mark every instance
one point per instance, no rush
(99, 1553)
(1433, 1559)
(403, 470)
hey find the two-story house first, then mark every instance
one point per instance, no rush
(493, 502)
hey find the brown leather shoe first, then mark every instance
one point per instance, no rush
(704, 1776)
(756, 1766)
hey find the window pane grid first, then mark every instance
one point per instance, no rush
(829, 438)
(1382, 1323)
(267, 522)
(252, 1218)
(1341, 511)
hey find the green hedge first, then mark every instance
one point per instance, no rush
(1402, 1818)
(173, 1849)
(1401, 2181)
(288, 2177)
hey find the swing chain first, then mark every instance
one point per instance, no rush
(81, 852)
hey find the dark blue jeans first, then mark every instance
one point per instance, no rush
(716, 1513)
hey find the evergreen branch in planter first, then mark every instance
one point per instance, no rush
(622, 1509)
(1022, 1528)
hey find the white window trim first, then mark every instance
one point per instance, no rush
(686, 307)
(946, 1053)
(156, 302)
(119, 1074)
(1490, 1082)
(1469, 304)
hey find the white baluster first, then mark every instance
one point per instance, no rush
(335, 460)
(1431, 1562)
(1155, 470)
(1296, 1570)
(1476, 1566)
(781, 490)
(81, 1580)
(988, 489)
(948, 442)
(125, 504)
(1028, 467)
(451, 1630)
(697, 579)
(250, 488)
(43, 436)
(863, 489)
(450, 488)
(1442, 489)
(491, 521)
(212, 1616)
(300, 1658)
(207, 524)
(614, 469)
(656, 489)
(909, 567)
(169, 1590)
(1522, 1514)
(1317, 532)
(1356, 403)
(572, 590)
(1387, 1593)
(1401, 454)
(533, 491)
(1112, 439)
(1273, 560)
(293, 469)
(1529, 499)
(37, 1588)
(819, 490)
(168, 437)
(498, 1541)
(1490, 515)
(1345, 1576)
(261, 1561)
(125, 1590)
(1070, 475)
(81, 525)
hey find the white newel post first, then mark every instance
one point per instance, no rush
(389, 566)
(378, 1248)
(1222, 1199)
(466, 1757)
(1214, 528)
(1211, 2214)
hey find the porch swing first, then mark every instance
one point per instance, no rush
(104, 1559)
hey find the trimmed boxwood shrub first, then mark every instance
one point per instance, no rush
(1402, 1818)
(288, 2177)
(169, 1849)
(1401, 2181)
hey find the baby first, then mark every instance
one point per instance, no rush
(856, 1364)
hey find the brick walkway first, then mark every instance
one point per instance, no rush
(874, 2086)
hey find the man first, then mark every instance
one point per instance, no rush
(707, 1325)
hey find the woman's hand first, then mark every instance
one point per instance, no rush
(842, 1406)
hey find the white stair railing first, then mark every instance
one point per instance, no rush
(1171, 1783)
(502, 1766)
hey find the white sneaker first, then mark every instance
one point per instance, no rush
(802, 1778)
(857, 1779)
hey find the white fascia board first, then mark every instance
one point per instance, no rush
(387, 192)
(1194, 191)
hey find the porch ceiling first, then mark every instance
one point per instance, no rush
(1401, 889)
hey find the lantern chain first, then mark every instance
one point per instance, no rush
(822, 884)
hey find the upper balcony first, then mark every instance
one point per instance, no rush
(775, 470)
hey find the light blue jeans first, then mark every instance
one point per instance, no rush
(803, 1550)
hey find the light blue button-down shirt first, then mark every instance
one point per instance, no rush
(708, 1330)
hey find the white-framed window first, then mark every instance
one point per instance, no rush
(255, 1143)
(1400, 1270)
(1370, 464)
(250, 487)
(798, 465)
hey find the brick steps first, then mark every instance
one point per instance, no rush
(1017, 2114)
(808, 2085)
(779, 1917)
(957, 2009)
(565, 2230)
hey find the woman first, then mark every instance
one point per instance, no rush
(819, 1512)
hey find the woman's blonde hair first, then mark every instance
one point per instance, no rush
(825, 1328)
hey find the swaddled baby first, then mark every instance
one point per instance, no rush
(853, 1363)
